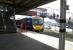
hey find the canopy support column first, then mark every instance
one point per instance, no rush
(62, 24)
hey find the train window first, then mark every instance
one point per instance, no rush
(37, 21)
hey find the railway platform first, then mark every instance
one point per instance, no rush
(21, 42)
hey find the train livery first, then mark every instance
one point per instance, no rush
(33, 23)
(37, 23)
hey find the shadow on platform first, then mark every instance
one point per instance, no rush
(21, 42)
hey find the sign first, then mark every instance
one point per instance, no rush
(67, 7)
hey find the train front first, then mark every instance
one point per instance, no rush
(38, 24)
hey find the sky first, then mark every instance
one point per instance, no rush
(55, 7)
(19, 17)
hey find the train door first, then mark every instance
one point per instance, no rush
(23, 25)
(29, 24)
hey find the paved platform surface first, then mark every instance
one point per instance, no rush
(21, 42)
(48, 40)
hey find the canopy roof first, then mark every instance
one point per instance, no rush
(24, 5)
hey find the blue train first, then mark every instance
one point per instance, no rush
(32, 24)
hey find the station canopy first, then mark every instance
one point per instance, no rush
(22, 6)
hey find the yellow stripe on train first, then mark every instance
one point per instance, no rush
(38, 27)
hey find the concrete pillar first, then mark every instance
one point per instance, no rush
(8, 24)
(14, 20)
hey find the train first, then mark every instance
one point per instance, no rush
(33, 23)
(38, 24)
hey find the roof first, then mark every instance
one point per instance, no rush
(24, 5)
